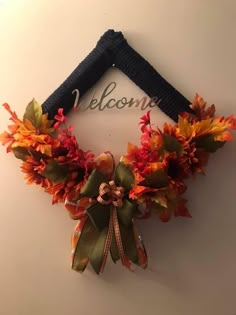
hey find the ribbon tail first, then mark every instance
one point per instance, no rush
(125, 261)
(108, 242)
(142, 254)
(79, 260)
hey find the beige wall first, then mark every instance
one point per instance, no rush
(191, 262)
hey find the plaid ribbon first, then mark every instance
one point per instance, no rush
(110, 194)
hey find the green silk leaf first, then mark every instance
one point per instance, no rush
(171, 144)
(96, 255)
(124, 176)
(91, 187)
(99, 215)
(85, 245)
(157, 179)
(20, 153)
(129, 244)
(55, 172)
(114, 250)
(33, 113)
(209, 144)
(126, 212)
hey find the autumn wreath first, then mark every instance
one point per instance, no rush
(105, 199)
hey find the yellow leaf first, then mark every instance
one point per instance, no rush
(185, 128)
(202, 127)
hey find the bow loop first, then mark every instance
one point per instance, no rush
(110, 194)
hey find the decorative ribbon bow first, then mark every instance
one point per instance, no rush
(106, 224)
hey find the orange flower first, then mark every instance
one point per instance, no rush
(25, 134)
(66, 190)
(32, 170)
